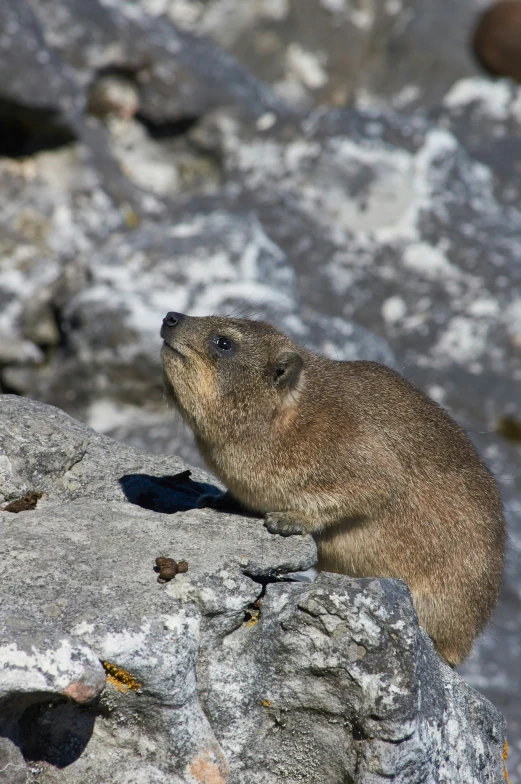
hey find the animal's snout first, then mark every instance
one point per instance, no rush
(172, 319)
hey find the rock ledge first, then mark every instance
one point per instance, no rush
(230, 672)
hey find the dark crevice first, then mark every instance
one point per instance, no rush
(357, 731)
(158, 128)
(266, 579)
(120, 71)
(253, 611)
(27, 130)
(263, 579)
(6, 389)
(55, 731)
(168, 129)
(77, 460)
(59, 320)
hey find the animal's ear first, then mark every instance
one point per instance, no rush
(287, 371)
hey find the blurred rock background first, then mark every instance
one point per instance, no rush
(344, 168)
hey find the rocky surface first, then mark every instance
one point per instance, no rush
(228, 673)
(347, 172)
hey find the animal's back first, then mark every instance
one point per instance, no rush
(442, 530)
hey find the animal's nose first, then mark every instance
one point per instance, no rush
(172, 319)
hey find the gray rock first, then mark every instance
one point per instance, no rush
(178, 74)
(213, 259)
(403, 54)
(226, 673)
(415, 60)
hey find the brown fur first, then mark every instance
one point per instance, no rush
(385, 481)
(497, 39)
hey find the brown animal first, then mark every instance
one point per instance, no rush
(497, 39)
(385, 481)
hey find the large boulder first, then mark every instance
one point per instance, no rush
(231, 672)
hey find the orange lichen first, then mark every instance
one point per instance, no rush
(266, 703)
(129, 215)
(505, 756)
(254, 614)
(209, 767)
(121, 679)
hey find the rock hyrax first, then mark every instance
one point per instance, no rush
(381, 476)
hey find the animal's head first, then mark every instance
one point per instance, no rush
(229, 376)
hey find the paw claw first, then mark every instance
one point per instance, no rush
(280, 524)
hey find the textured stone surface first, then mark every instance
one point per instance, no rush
(226, 673)
(371, 53)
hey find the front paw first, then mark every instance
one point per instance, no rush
(283, 523)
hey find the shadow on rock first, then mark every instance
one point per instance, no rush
(166, 494)
(56, 732)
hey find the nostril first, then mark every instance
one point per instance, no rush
(171, 319)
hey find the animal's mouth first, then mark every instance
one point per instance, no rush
(172, 349)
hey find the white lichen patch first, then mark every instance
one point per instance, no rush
(227, 579)
(394, 309)
(277, 10)
(180, 623)
(321, 176)
(10, 484)
(364, 627)
(44, 669)
(182, 588)
(83, 628)
(484, 307)
(429, 262)
(226, 20)
(183, 12)
(363, 18)
(144, 161)
(425, 175)
(387, 195)
(511, 318)
(307, 66)
(334, 6)
(407, 95)
(493, 97)
(464, 341)
(242, 265)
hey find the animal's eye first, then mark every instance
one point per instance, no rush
(223, 344)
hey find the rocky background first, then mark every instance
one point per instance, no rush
(341, 167)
